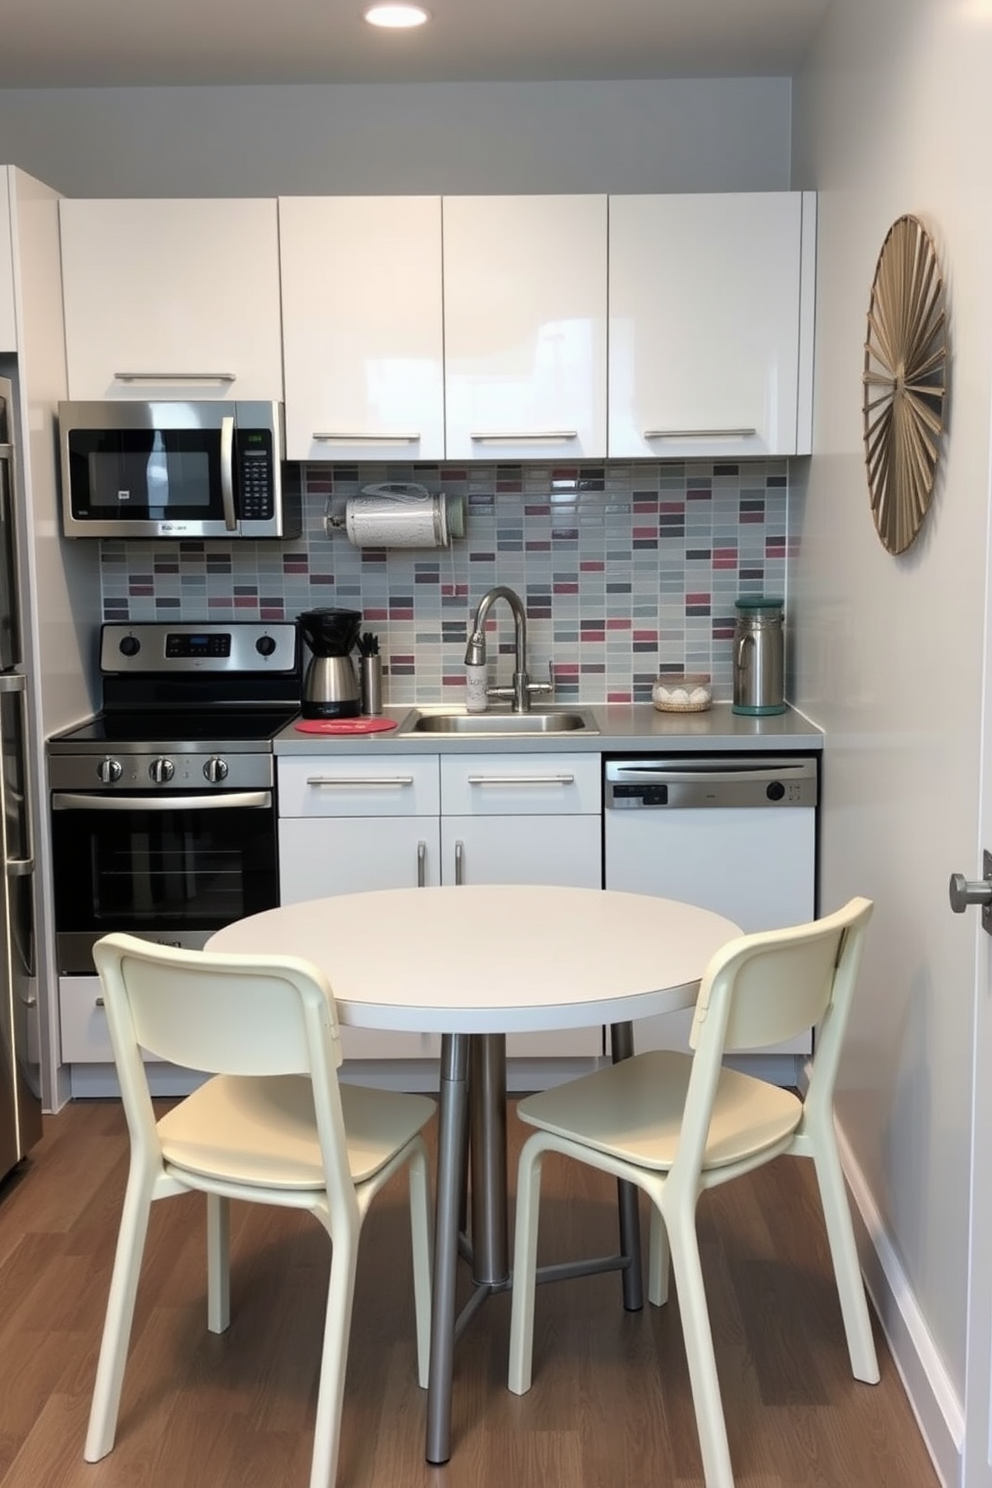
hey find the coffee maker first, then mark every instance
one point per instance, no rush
(330, 685)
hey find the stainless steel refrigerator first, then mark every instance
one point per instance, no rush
(20, 1106)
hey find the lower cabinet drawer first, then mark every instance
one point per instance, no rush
(514, 784)
(83, 1022)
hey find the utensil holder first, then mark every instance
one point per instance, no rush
(370, 677)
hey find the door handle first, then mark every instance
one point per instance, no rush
(963, 892)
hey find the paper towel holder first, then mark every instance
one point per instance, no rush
(448, 511)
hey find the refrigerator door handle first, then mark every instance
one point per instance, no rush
(21, 867)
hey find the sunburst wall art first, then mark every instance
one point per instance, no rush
(904, 380)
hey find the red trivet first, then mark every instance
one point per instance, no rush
(344, 725)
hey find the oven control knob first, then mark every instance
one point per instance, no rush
(161, 771)
(265, 645)
(130, 646)
(109, 771)
(215, 770)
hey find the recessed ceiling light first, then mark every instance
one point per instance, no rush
(396, 17)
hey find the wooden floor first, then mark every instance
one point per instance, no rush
(610, 1405)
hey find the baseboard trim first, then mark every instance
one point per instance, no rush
(933, 1398)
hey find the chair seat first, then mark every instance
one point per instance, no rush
(262, 1131)
(634, 1109)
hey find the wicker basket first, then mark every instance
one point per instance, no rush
(686, 692)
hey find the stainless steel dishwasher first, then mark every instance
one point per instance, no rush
(734, 833)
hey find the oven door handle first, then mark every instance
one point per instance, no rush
(76, 801)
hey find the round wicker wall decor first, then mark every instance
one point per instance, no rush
(904, 382)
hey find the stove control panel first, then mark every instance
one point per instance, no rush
(150, 771)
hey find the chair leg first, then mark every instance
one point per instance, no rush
(844, 1254)
(659, 1256)
(102, 1426)
(420, 1232)
(708, 1404)
(218, 1263)
(334, 1360)
(525, 1265)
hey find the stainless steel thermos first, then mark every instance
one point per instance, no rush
(759, 656)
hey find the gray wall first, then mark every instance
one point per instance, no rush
(677, 135)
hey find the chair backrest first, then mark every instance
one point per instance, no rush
(221, 1014)
(764, 988)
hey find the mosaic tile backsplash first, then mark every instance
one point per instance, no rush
(626, 570)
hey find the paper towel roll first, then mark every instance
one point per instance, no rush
(400, 517)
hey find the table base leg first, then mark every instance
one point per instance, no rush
(452, 1122)
(487, 1137)
(622, 1047)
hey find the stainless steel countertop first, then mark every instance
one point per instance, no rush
(629, 728)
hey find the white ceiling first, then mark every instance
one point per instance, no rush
(121, 43)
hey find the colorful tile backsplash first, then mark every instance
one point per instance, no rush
(625, 569)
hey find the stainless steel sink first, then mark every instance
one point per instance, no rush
(498, 725)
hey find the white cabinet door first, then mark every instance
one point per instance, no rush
(524, 819)
(710, 327)
(525, 327)
(172, 299)
(8, 322)
(349, 854)
(348, 824)
(362, 327)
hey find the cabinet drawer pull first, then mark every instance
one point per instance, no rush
(700, 433)
(331, 436)
(521, 780)
(175, 376)
(98, 1002)
(541, 436)
(359, 780)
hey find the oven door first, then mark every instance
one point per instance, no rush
(172, 869)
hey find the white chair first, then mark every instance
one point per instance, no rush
(273, 1125)
(676, 1124)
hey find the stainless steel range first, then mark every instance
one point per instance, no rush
(163, 805)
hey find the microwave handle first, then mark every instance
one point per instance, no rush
(227, 473)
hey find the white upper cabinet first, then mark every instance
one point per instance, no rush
(711, 325)
(525, 327)
(362, 327)
(8, 323)
(172, 299)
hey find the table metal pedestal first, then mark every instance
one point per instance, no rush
(472, 1110)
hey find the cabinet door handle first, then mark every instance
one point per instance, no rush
(700, 433)
(98, 1002)
(521, 780)
(421, 865)
(175, 376)
(368, 436)
(459, 863)
(540, 436)
(356, 781)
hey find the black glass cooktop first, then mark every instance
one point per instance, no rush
(167, 728)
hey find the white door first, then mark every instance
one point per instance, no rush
(976, 1469)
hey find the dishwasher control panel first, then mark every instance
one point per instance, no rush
(636, 784)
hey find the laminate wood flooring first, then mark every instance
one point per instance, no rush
(610, 1405)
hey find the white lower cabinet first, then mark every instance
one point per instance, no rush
(350, 822)
(519, 818)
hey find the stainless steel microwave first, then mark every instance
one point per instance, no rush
(176, 470)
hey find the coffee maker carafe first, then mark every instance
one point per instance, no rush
(330, 685)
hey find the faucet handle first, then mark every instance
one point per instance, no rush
(544, 687)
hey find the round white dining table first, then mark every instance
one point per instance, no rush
(473, 963)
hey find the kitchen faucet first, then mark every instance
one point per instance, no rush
(475, 651)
